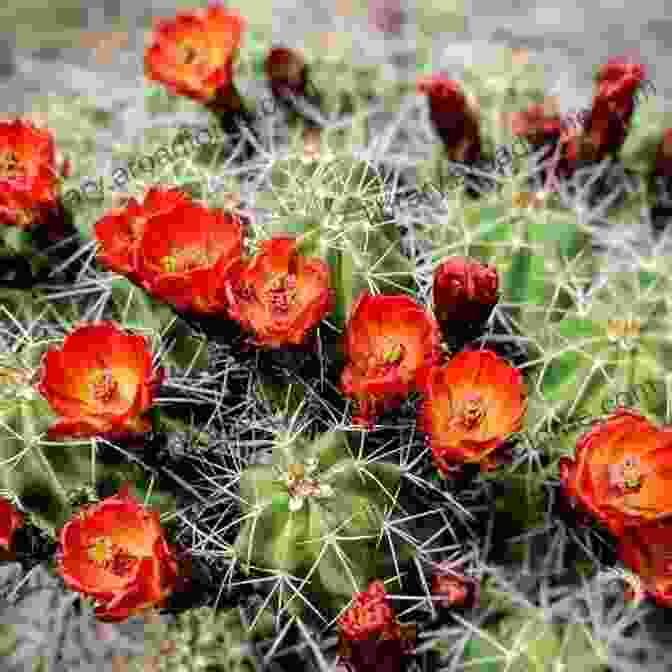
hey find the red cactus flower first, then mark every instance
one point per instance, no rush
(193, 54)
(119, 232)
(370, 637)
(101, 382)
(621, 472)
(454, 116)
(464, 291)
(390, 343)
(647, 551)
(279, 294)
(29, 187)
(185, 255)
(10, 521)
(116, 553)
(472, 404)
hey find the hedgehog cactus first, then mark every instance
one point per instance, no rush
(301, 251)
(615, 344)
(317, 510)
(541, 253)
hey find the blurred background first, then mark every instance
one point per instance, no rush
(59, 45)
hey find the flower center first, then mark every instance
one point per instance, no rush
(108, 556)
(136, 226)
(394, 354)
(104, 385)
(626, 476)
(301, 484)
(188, 54)
(388, 355)
(473, 411)
(9, 164)
(281, 292)
(185, 259)
(297, 483)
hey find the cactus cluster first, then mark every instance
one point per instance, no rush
(282, 370)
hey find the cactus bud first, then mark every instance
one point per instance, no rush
(454, 116)
(465, 291)
(370, 636)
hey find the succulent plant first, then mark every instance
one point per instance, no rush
(253, 458)
(205, 639)
(316, 510)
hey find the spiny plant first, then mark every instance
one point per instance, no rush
(252, 460)
(314, 511)
(205, 639)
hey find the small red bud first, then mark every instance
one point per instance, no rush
(455, 589)
(465, 291)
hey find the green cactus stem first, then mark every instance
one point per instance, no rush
(317, 511)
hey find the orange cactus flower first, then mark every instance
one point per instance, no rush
(101, 382)
(390, 343)
(10, 521)
(472, 404)
(193, 54)
(119, 232)
(116, 553)
(279, 295)
(185, 254)
(464, 291)
(370, 637)
(29, 186)
(622, 470)
(647, 551)
(454, 116)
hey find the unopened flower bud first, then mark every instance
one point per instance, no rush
(455, 117)
(454, 589)
(465, 291)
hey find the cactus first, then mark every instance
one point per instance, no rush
(251, 463)
(45, 475)
(599, 350)
(316, 510)
(205, 639)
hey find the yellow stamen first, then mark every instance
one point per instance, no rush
(101, 550)
(104, 385)
(9, 164)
